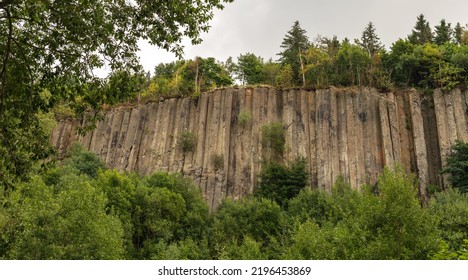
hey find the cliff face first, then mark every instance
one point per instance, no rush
(349, 132)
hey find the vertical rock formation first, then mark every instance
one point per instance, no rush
(347, 132)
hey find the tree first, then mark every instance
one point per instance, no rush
(49, 49)
(370, 41)
(271, 71)
(295, 43)
(464, 37)
(422, 32)
(451, 208)
(443, 33)
(250, 68)
(281, 183)
(457, 166)
(251, 220)
(458, 34)
(317, 66)
(64, 223)
(348, 224)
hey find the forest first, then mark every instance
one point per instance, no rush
(424, 60)
(81, 210)
(76, 208)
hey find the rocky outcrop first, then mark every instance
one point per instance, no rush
(351, 132)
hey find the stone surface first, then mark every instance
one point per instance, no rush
(351, 132)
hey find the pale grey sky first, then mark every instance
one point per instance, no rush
(259, 26)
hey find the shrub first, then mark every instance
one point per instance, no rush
(84, 161)
(273, 138)
(187, 141)
(245, 117)
(281, 183)
(218, 161)
(457, 166)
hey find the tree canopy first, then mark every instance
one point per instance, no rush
(49, 51)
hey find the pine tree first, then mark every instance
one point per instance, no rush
(295, 44)
(422, 32)
(443, 33)
(370, 41)
(457, 34)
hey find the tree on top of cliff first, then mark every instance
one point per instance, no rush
(422, 32)
(250, 68)
(370, 41)
(295, 43)
(49, 49)
(443, 33)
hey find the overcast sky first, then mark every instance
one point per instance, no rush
(259, 26)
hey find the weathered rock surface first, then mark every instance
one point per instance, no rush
(352, 133)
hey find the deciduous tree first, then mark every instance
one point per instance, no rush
(57, 45)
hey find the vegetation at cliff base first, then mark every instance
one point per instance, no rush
(80, 210)
(457, 166)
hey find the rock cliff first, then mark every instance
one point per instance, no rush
(351, 132)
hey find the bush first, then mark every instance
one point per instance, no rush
(281, 183)
(248, 222)
(273, 138)
(245, 117)
(84, 161)
(451, 207)
(187, 141)
(457, 166)
(348, 224)
(218, 162)
(67, 224)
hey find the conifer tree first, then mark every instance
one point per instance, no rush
(443, 33)
(370, 41)
(295, 43)
(422, 32)
(457, 34)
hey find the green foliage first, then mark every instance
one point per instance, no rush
(50, 46)
(244, 118)
(347, 224)
(273, 140)
(69, 224)
(280, 183)
(84, 161)
(370, 41)
(65, 214)
(445, 253)
(249, 249)
(167, 209)
(248, 222)
(187, 78)
(443, 33)
(294, 44)
(187, 141)
(250, 69)
(285, 78)
(120, 192)
(218, 161)
(457, 166)
(422, 33)
(451, 207)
